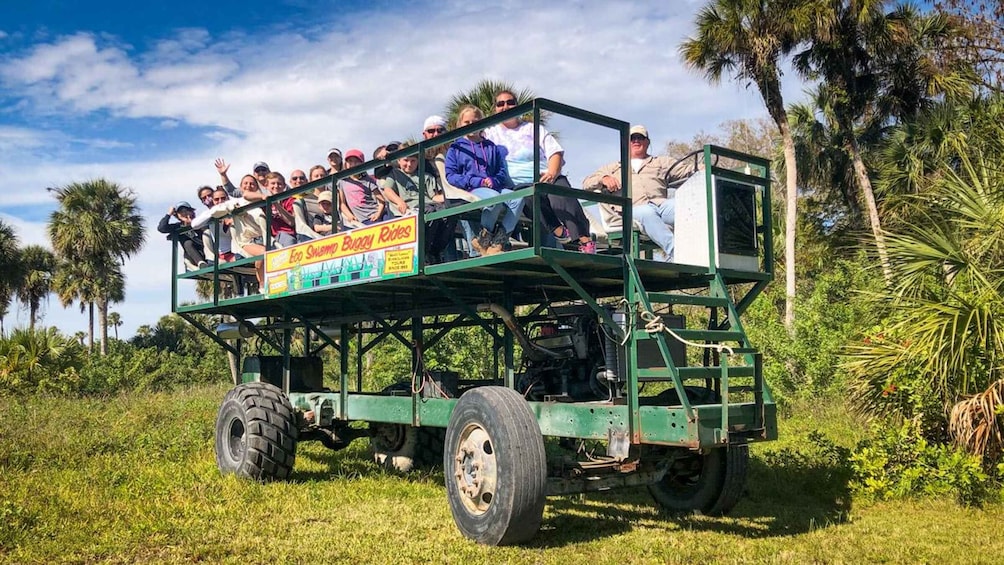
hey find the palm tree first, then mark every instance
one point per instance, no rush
(116, 321)
(874, 67)
(38, 265)
(482, 96)
(77, 282)
(748, 38)
(98, 223)
(943, 336)
(10, 269)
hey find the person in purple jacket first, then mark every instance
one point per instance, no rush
(478, 166)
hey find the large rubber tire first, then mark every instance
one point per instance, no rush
(709, 484)
(402, 448)
(495, 467)
(256, 433)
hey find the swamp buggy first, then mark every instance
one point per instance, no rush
(611, 370)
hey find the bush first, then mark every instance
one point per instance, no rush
(898, 462)
(41, 360)
(828, 314)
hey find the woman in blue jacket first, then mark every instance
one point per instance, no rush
(476, 165)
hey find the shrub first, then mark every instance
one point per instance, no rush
(899, 462)
(828, 314)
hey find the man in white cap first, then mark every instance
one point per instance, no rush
(654, 204)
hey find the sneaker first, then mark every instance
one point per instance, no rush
(203, 264)
(483, 241)
(562, 236)
(588, 247)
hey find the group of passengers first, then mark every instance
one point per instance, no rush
(483, 164)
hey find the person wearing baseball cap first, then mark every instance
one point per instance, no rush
(361, 201)
(191, 241)
(324, 219)
(335, 159)
(260, 171)
(652, 193)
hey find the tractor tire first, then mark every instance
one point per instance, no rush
(256, 433)
(708, 484)
(495, 467)
(397, 447)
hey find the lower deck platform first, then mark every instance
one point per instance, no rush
(526, 276)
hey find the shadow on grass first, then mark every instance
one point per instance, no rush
(353, 463)
(788, 492)
(781, 499)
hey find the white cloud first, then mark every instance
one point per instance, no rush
(285, 97)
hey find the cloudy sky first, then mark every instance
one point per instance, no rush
(149, 94)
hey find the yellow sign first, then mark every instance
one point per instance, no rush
(399, 261)
(361, 240)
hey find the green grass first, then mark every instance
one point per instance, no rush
(133, 479)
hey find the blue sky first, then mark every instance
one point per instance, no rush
(149, 94)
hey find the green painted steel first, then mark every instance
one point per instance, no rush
(533, 277)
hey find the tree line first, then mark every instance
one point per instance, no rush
(95, 229)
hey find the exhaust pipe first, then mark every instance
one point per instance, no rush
(530, 349)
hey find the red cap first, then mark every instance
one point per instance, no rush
(355, 153)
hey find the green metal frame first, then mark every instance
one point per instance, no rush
(687, 424)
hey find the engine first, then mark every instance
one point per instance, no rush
(571, 358)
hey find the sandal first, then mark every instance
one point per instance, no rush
(562, 236)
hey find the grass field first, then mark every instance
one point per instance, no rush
(133, 479)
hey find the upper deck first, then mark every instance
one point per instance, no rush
(380, 272)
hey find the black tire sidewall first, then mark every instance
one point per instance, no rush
(230, 410)
(520, 469)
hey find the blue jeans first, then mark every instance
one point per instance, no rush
(509, 211)
(657, 222)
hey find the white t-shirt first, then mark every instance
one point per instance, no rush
(518, 142)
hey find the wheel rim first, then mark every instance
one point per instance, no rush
(235, 439)
(475, 473)
(685, 472)
(389, 437)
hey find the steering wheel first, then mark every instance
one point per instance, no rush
(696, 155)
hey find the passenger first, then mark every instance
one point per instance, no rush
(402, 183)
(478, 166)
(206, 195)
(335, 160)
(248, 227)
(297, 178)
(516, 135)
(653, 201)
(225, 242)
(283, 230)
(362, 200)
(246, 181)
(317, 172)
(191, 240)
(303, 206)
(381, 152)
(261, 172)
(324, 222)
(435, 159)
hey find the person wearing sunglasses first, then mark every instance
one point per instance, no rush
(477, 165)
(652, 194)
(562, 215)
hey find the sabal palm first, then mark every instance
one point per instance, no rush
(945, 330)
(10, 268)
(482, 95)
(115, 320)
(747, 39)
(38, 265)
(875, 67)
(76, 281)
(98, 222)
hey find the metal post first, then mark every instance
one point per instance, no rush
(287, 338)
